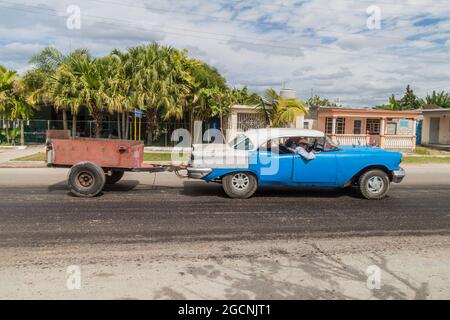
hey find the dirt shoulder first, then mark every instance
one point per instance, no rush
(411, 268)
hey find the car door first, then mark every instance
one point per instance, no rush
(321, 171)
(273, 166)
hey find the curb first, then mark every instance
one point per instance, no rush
(13, 147)
(23, 164)
(42, 164)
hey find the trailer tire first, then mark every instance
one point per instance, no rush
(86, 179)
(114, 177)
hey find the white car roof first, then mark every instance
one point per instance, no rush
(263, 135)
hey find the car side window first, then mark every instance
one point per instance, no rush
(276, 146)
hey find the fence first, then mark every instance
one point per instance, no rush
(34, 131)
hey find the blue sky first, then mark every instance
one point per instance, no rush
(321, 45)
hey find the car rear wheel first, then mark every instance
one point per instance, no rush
(86, 179)
(114, 177)
(240, 185)
(374, 184)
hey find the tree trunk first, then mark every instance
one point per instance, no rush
(22, 133)
(74, 125)
(124, 135)
(127, 129)
(97, 115)
(119, 130)
(65, 125)
(8, 139)
(151, 125)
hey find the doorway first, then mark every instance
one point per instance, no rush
(434, 130)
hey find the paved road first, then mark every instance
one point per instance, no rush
(36, 209)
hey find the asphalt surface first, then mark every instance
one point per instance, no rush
(37, 210)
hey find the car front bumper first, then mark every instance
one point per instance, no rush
(398, 175)
(198, 173)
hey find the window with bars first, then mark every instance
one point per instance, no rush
(329, 125)
(373, 126)
(340, 125)
(357, 126)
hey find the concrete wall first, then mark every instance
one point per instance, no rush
(444, 127)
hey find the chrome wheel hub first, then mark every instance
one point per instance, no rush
(375, 184)
(240, 181)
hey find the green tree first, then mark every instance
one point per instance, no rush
(158, 83)
(317, 101)
(441, 100)
(13, 103)
(278, 111)
(208, 94)
(410, 101)
(51, 66)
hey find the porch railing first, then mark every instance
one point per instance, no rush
(391, 142)
(352, 139)
(399, 142)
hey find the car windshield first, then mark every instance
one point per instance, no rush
(329, 145)
(241, 142)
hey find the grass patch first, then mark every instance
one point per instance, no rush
(424, 160)
(40, 156)
(422, 151)
(166, 156)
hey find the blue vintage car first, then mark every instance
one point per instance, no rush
(261, 157)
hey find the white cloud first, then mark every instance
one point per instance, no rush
(317, 44)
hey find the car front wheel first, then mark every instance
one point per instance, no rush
(374, 184)
(240, 185)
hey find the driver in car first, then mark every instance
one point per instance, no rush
(299, 146)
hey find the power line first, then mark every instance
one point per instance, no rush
(244, 20)
(187, 32)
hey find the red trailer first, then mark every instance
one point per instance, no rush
(95, 162)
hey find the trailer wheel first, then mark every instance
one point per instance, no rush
(114, 177)
(86, 179)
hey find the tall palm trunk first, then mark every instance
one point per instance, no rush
(124, 134)
(97, 115)
(8, 139)
(151, 125)
(119, 129)
(65, 125)
(22, 132)
(74, 124)
(127, 128)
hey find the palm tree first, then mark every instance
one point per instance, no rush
(278, 111)
(118, 90)
(158, 84)
(13, 104)
(441, 100)
(7, 78)
(43, 79)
